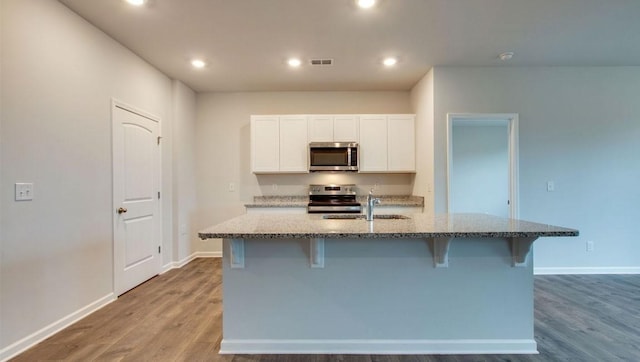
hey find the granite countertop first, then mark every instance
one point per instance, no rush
(279, 201)
(302, 201)
(305, 226)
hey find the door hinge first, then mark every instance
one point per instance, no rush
(159, 249)
(159, 138)
(158, 195)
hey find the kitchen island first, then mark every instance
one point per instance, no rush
(460, 283)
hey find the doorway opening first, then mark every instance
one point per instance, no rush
(482, 163)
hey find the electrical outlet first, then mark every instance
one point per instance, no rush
(274, 187)
(589, 245)
(24, 191)
(551, 187)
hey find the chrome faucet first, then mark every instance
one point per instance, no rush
(371, 201)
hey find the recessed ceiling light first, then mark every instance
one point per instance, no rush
(366, 4)
(506, 56)
(136, 2)
(197, 63)
(294, 62)
(390, 62)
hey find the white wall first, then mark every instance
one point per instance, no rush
(184, 171)
(579, 127)
(223, 148)
(422, 102)
(58, 77)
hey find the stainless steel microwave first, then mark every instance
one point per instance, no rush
(333, 156)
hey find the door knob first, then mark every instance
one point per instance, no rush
(122, 210)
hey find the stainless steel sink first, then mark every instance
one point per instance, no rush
(356, 217)
(342, 217)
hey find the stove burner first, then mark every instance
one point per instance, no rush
(333, 199)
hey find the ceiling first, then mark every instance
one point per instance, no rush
(246, 43)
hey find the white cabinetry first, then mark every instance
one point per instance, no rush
(320, 129)
(279, 144)
(373, 144)
(293, 144)
(345, 128)
(401, 143)
(333, 128)
(387, 143)
(265, 144)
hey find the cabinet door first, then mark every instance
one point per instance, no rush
(401, 139)
(293, 144)
(265, 144)
(373, 144)
(345, 128)
(320, 129)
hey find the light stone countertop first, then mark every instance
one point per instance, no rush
(279, 201)
(305, 226)
(302, 201)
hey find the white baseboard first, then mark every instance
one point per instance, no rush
(190, 258)
(177, 264)
(586, 270)
(53, 328)
(358, 346)
(209, 254)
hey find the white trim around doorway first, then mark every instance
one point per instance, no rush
(512, 119)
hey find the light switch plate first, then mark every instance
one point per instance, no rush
(24, 191)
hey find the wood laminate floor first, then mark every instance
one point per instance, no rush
(177, 316)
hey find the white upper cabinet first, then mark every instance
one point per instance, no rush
(293, 144)
(387, 143)
(373, 143)
(330, 128)
(265, 144)
(401, 141)
(320, 128)
(345, 128)
(279, 144)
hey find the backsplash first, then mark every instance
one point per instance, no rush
(297, 184)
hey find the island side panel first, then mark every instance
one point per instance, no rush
(378, 289)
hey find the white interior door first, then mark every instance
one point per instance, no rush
(482, 164)
(136, 166)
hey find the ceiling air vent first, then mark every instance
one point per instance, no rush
(321, 62)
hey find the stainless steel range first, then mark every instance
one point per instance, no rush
(333, 199)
